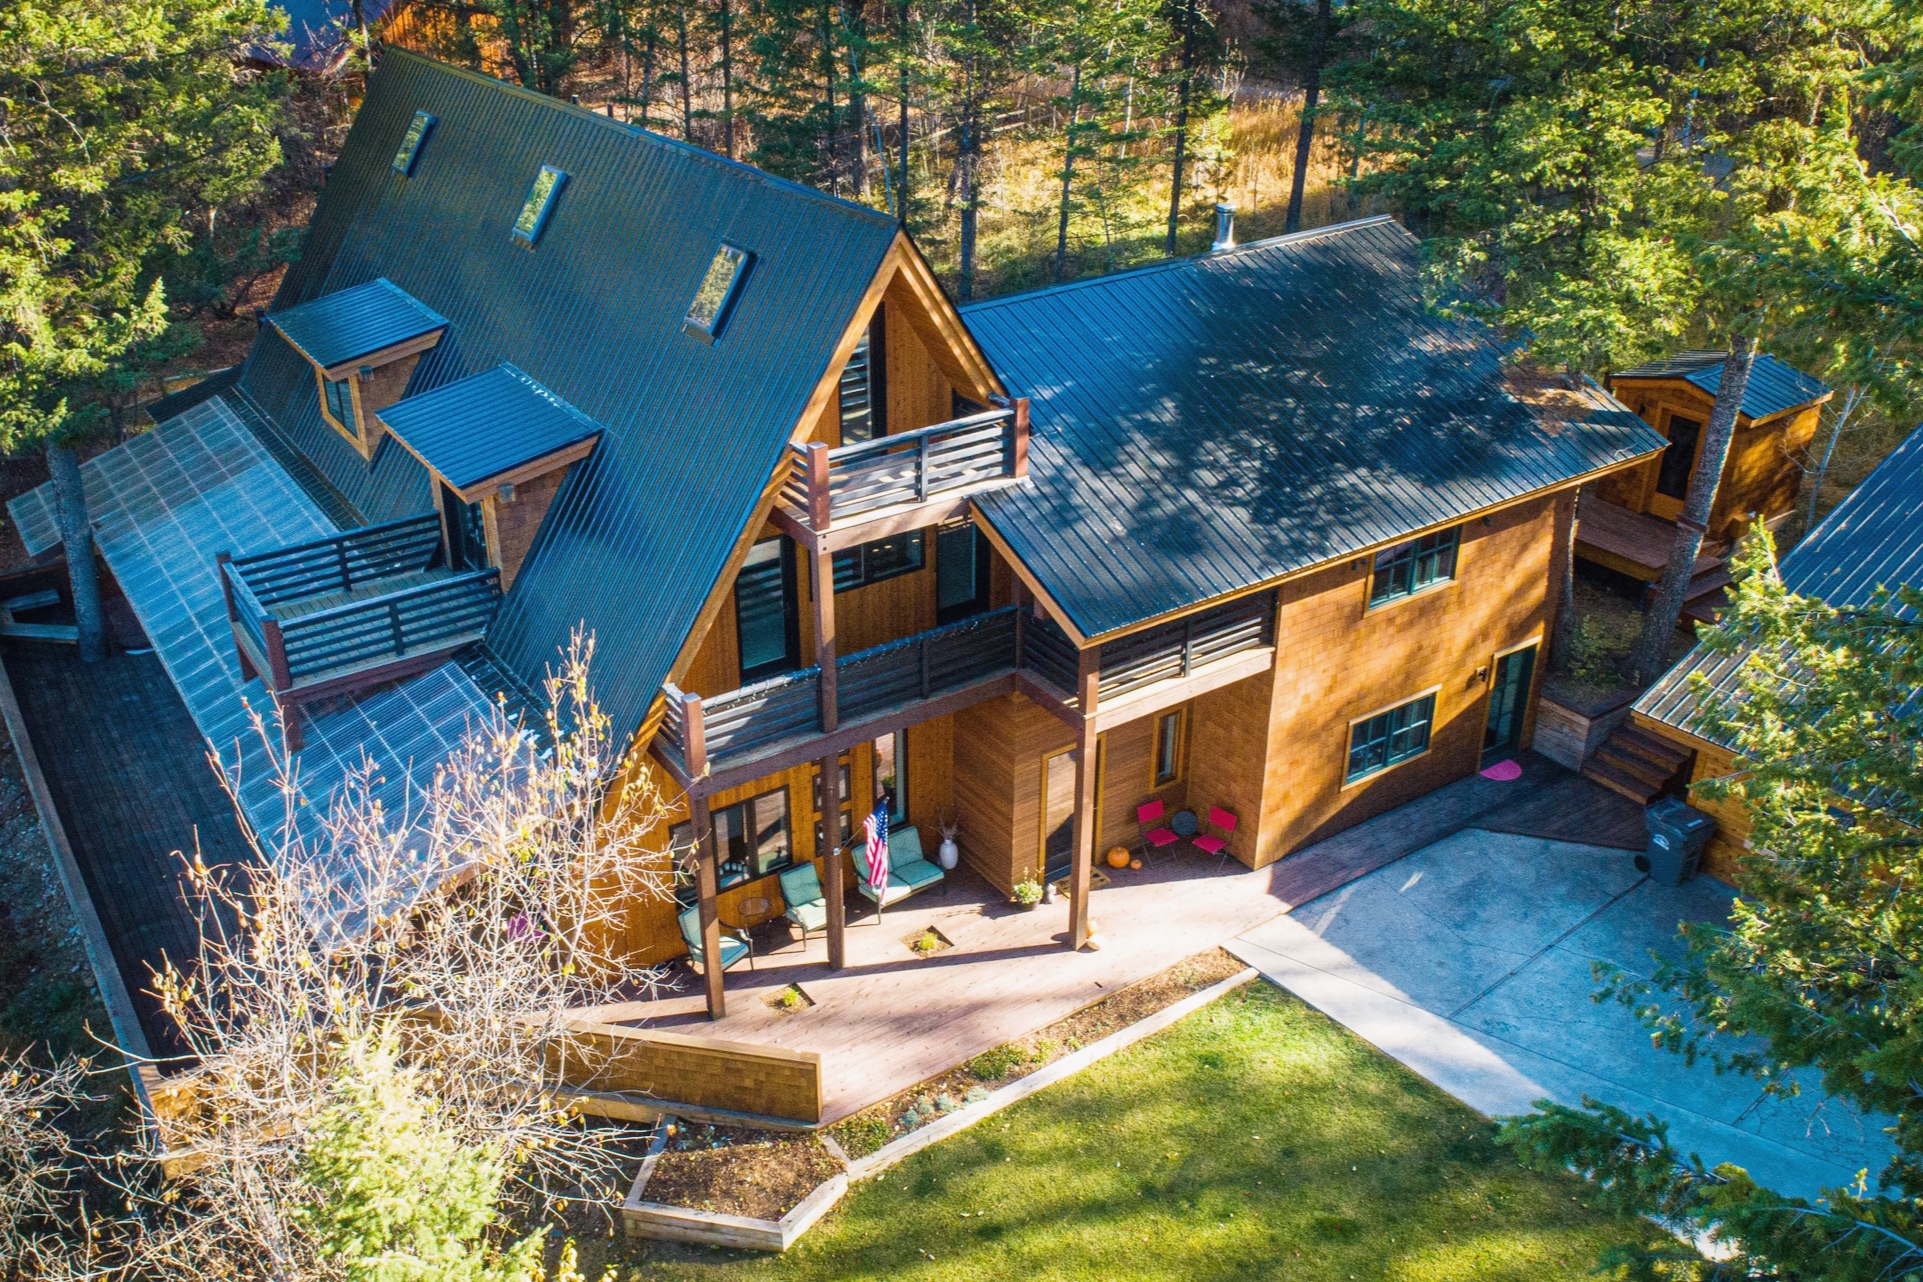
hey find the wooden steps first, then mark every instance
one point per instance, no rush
(1636, 764)
(1708, 592)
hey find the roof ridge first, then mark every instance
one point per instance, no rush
(634, 132)
(1174, 264)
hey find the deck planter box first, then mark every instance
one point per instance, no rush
(1567, 732)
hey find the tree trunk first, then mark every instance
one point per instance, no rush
(1181, 124)
(1311, 97)
(687, 100)
(1068, 170)
(967, 145)
(828, 72)
(1850, 400)
(857, 100)
(1651, 654)
(901, 187)
(1564, 638)
(727, 79)
(76, 531)
(647, 77)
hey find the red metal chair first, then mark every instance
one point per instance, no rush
(1151, 812)
(1224, 822)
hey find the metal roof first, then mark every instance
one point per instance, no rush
(351, 323)
(641, 531)
(1871, 540)
(1773, 386)
(317, 32)
(1206, 425)
(483, 426)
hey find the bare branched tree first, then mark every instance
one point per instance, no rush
(37, 1161)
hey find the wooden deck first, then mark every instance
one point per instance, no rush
(890, 1019)
(129, 776)
(1634, 543)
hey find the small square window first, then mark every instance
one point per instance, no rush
(411, 141)
(719, 289)
(539, 203)
(1410, 567)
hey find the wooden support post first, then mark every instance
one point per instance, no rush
(816, 471)
(821, 563)
(1018, 461)
(1088, 684)
(221, 561)
(704, 884)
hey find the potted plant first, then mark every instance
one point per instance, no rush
(1028, 893)
(948, 853)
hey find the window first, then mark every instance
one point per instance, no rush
(961, 571)
(1679, 460)
(720, 287)
(891, 774)
(864, 387)
(847, 824)
(883, 559)
(539, 204)
(1168, 747)
(767, 611)
(411, 141)
(1410, 567)
(340, 404)
(1378, 742)
(750, 840)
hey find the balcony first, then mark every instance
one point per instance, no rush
(335, 615)
(744, 733)
(922, 476)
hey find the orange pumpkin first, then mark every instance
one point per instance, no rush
(1118, 857)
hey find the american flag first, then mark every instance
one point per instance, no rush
(876, 827)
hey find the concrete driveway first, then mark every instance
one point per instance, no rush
(1470, 961)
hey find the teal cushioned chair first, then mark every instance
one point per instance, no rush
(908, 872)
(734, 943)
(807, 904)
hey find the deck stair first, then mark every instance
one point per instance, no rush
(1708, 591)
(1636, 764)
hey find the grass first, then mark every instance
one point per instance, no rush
(1254, 1139)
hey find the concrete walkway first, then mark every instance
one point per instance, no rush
(1471, 962)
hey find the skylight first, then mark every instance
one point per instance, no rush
(540, 202)
(411, 143)
(719, 288)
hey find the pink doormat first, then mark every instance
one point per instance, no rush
(1503, 771)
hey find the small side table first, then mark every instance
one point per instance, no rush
(1184, 824)
(756, 906)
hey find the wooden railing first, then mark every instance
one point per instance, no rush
(1047, 652)
(828, 485)
(394, 625)
(341, 562)
(1176, 649)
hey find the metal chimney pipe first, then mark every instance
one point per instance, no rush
(1224, 228)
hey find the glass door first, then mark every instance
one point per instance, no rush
(1508, 704)
(1058, 814)
(466, 532)
(1678, 461)
(767, 612)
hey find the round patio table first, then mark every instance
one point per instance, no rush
(1184, 824)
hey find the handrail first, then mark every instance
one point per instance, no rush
(369, 605)
(245, 591)
(885, 444)
(360, 533)
(825, 484)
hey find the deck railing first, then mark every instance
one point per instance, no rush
(341, 562)
(1176, 649)
(828, 485)
(412, 621)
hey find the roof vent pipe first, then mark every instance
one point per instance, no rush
(1224, 228)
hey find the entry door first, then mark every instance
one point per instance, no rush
(1058, 813)
(466, 532)
(1508, 703)
(1672, 473)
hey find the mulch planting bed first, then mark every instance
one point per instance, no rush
(736, 1171)
(877, 1124)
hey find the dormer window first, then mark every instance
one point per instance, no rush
(363, 344)
(538, 205)
(417, 131)
(720, 287)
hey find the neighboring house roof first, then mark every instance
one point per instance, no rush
(487, 425)
(317, 31)
(1773, 386)
(1206, 425)
(351, 323)
(1872, 539)
(642, 530)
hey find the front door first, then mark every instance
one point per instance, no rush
(1508, 704)
(1673, 471)
(1058, 813)
(466, 532)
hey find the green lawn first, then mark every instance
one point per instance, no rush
(1256, 1139)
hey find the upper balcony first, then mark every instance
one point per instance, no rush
(843, 496)
(337, 614)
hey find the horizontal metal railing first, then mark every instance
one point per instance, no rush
(1178, 648)
(926, 665)
(341, 562)
(827, 485)
(411, 621)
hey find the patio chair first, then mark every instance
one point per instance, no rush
(735, 944)
(807, 903)
(1152, 839)
(1223, 822)
(908, 872)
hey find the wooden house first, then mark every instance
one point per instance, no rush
(1251, 532)
(1870, 540)
(1628, 522)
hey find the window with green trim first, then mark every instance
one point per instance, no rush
(867, 563)
(1410, 567)
(1378, 742)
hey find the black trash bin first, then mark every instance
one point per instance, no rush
(1677, 834)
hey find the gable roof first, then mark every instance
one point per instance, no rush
(352, 323)
(482, 427)
(1773, 386)
(641, 531)
(1872, 539)
(1207, 425)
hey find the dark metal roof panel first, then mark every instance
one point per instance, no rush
(1773, 386)
(1206, 425)
(641, 531)
(486, 425)
(1871, 540)
(351, 323)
